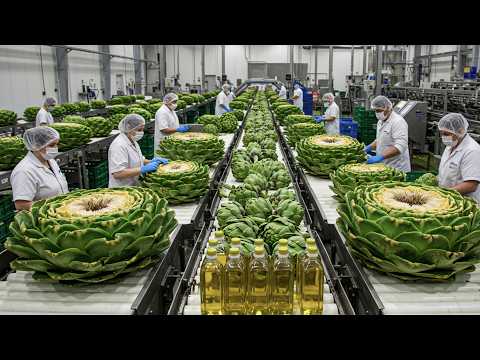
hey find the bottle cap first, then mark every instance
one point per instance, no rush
(283, 242)
(283, 250)
(258, 242)
(234, 251)
(235, 241)
(213, 242)
(219, 233)
(259, 250)
(211, 251)
(310, 241)
(312, 249)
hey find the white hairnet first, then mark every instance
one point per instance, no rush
(226, 87)
(38, 137)
(381, 102)
(50, 101)
(328, 96)
(130, 122)
(296, 86)
(454, 123)
(167, 99)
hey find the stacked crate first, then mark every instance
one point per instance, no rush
(348, 127)
(7, 213)
(367, 124)
(97, 174)
(147, 146)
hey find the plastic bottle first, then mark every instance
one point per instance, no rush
(311, 283)
(211, 284)
(235, 284)
(221, 256)
(236, 242)
(218, 235)
(259, 282)
(300, 258)
(282, 283)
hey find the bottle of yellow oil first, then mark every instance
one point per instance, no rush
(235, 283)
(218, 235)
(221, 256)
(300, 258)
(259, 282)
(236, 242)
(211, 284)
(282, 283)
(311, 283)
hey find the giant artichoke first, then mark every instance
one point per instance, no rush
(72, 135)
(12, 151)
(91, 236)
(297, 119)
(8, 117)
(299, 131)
(99, 126)
(228, 123)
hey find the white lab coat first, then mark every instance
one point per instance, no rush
(282, 93)
(224, 99)
(43, 117)
(394, 132)
(33, 181)
(164, 118)
(332, 127)
(122, 155)
(461, 165)
(298, 102)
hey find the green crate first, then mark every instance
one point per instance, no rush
(4, 231)
(98, 175)
(147, 140)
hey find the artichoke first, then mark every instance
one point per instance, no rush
(181, 104)
(98, 104)
(322, 154)
(275, 229)
(139, 97)
(428, 179)
(12, 151)
(30, 113)
(228, 123)
(115, 101)
(179, 181)
(115, 119)
(282, 194)
(142, 112)
(70, 108)
(278, 103)
(348, 177)
(91, 236)
(241, 228)
(228, 211)
(298, 119)
(411, 231)
(209, 120)
(238, 105)
(297, 132)
(211, 129)
(83, 106)
(58, 111)
(141, 104)
(117, 109)
(290, 209)
(77, 119)
(72, 135)
(7, 117)
(259, 208)
(153, 108)
(256, 182)
(240, 168)
(99, 126)
(188, 99)
(241, 195)
(239, 114)
(200, 147)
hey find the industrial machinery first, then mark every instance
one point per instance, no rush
(415, 114)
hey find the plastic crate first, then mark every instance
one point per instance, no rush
(98, 175)
(4, 232)
(6, 204)
(349, 127)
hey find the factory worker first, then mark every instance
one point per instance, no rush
(223, 100)
(332, 115)
(125, 160)
(297, 97)
(43, 116)
(38, 175)
(283, 92)
(166, 119)
(391, 144)
(460, 165)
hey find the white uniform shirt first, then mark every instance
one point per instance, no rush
(43, 117)
(394, 132)
(164, 118)
(298, 102)
(123, 155)
(282, 93)
(333, 127)
(461, 165)
(224, 99)
(33, 181)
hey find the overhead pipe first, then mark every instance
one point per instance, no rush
(223, 60)
(316, 64)
(378, 71)
(72, 48)
(364, 61)
(351, 62)
(330, 69)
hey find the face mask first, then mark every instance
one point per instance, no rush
(326, 104)
(173, 106)
(227, 92)
(380, 116)
(138, 135)
(448, 141)
(52, 152)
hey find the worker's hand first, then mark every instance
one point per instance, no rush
(150, 167)
(160, 160)
(375, 159)
(183, 128)
(320, 118)
(229, 110)
(367, 149)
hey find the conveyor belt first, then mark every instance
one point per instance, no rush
(401, 297)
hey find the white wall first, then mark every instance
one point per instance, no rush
(125, 67)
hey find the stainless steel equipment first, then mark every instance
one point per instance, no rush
(415, 114)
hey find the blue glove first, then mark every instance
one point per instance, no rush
(320, 118)
(160, 160)
(229, 110)
(375, 159)
(182, 128)
(367, 148)
(150, 167)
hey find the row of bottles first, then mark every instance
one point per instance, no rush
(259, 284)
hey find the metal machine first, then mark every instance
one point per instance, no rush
(415, 114)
